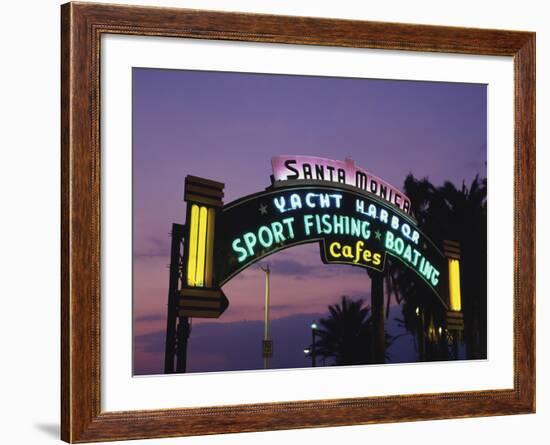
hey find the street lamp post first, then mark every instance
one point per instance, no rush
(267, 345)
(312, 350)
(313, 345)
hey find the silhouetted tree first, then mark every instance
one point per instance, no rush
(446, 212)
(344, 335)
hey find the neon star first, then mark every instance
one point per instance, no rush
(378, 234)
(263, 209)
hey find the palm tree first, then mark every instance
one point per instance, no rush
(446, 213)
(465, 214)
(344, 335)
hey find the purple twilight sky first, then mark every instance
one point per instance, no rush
(226, 127)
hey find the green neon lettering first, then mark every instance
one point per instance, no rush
(372, 211)
(240, 250)
(355, 228)
(337, 199)
(346, 225)
(435, 277)
(318, 224)
(395, 222)
(415, 259)
(388, 242)
(280, 203)
(289, 222)
(324, 200)
(399, 245)
(265, 236)
(309, 200)
(407, 254)
(327, 228)
(250, 242)
(277, 229)
(295, 201)
(338, 224)
(427, 271)
(365, 232)
(308, 224)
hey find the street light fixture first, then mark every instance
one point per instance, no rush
(311, 351)
(313, 327)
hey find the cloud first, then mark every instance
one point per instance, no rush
(152, 342)
(293, 268)
(153, 246)
(290, 267)
(281, 307)
(149, 317)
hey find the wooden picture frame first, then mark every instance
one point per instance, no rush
(82, 26)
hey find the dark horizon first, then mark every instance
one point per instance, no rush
(226, 127)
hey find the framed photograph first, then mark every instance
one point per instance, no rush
(274, 222)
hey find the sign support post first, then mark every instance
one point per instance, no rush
(267, 344)
(176, 264)
(183, 332)
(377, 308)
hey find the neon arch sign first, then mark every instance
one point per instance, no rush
(355, 217)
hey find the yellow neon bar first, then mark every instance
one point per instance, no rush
(201, 247)
(454, 285)
(193, 238)
(210, 247)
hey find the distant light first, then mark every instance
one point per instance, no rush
(440, 330)
(307, 351)
(417, 311)
(314, 325)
